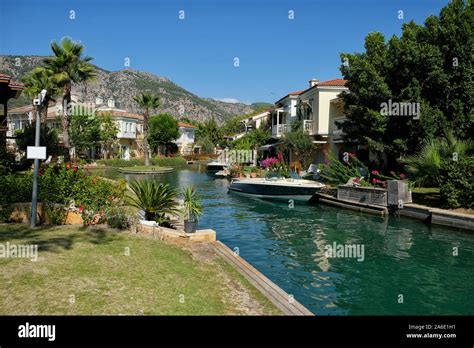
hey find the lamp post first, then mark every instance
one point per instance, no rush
(34, 199)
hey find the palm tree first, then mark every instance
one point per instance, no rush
(424, 166)
(153, 198)
(68, 66)
(37, 80)
(147, 102)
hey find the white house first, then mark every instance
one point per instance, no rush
(186, 140)
(318, 107)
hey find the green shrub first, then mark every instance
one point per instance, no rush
(57, 213)
(5, 213)
(15, 188)
(119, 217)
(168, 161)
(118, 162)
(456, 182)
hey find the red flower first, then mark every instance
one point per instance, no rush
(402, 176)
(357, 180)
(81, 208)
(375, 172)
(376, 181)
(280, 156)
(75, 169)
(68, 166)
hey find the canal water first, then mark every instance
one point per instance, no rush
(408, 267)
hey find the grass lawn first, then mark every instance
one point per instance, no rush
(151, 169)
(85, 271)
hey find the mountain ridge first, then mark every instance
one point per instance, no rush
(122, 85)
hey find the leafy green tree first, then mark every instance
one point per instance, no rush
(148, 102)
(429, 64)
(251, 140)
(85, 130)
(68, 66)
(48, 137)
(210, 130)
(108, 132)
(301, 146)
(163, 130)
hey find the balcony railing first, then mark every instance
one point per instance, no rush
(308, 126)
(280, 129)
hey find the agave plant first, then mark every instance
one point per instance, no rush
(155, 199)
(192, 204)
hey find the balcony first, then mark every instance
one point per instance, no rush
(280, 129)
(127, 135)
(308, 126)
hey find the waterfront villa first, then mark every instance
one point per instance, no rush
(318, 108)
(186, 139)
(129, 142)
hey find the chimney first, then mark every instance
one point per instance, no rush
(313, 82)
(99, 101)
(111, 103)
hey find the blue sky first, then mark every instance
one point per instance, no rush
(276, 54)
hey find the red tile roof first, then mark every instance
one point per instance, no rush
(186, 125)
(333, 83)
(297, 92)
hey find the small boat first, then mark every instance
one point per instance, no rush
(223, 173)
(213, 167)
(276, 188)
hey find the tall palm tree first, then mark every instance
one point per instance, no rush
(68, 66)
(148, 102)
(37, 80)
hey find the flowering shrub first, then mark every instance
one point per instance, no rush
(268, 162)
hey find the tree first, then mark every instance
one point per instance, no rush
(251, 140)
(109, 130)
(210, 130)
(48, 137)
(163, 130)
(147, 102)
(85, 129)
(429, 64)
(68, 66)
(37, 80)
(89, 130)
(301, 146)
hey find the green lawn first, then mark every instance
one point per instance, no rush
(91, 267)
(151, 169)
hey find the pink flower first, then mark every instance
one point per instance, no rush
(357, 180)
(402, 176)
(280, 157)
(375, 172)
(351, 154)
(81, 208)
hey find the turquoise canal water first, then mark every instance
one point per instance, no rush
(402, 256)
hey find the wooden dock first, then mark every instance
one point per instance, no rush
(283, 301)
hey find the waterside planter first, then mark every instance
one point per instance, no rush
(397, 193)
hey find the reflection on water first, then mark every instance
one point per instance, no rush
(402, 256)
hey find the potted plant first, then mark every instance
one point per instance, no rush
(192, 209)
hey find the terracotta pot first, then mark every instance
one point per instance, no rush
(253, 175)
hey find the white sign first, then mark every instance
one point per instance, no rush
(36, 152)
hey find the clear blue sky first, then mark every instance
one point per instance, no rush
(277, 55)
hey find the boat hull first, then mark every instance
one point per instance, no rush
(276, 190)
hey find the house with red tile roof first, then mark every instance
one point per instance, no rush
(319, 109)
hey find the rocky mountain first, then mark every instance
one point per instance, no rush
(123, 85)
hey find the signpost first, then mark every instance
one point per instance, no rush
(36, 152)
